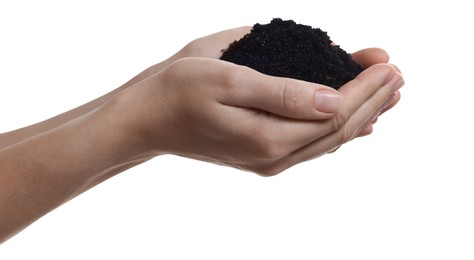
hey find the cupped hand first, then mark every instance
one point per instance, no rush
(219, 112)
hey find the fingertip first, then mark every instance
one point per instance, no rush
(375, 76)
(396, 68)
(396, 98)
(370, 56)
(366, 131)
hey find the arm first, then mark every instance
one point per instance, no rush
(44, 171)
(155, 115)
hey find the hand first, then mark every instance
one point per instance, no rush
(211, 46)
(219, 112)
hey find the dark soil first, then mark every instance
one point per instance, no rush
(286, 49)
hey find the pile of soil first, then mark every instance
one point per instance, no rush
(286, 49)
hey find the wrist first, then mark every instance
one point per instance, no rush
(126, 120)
(118, 133)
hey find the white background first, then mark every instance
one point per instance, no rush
(405, 192)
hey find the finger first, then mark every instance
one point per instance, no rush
(334, 149)
(397, 68)
(392, 102)
(370, 56)
(298, 99)
(389, 104)
(366, 131)
(241, 86)
(285, 97)
(364, 98)
(382, 97)
(367, 93)
(381, 78)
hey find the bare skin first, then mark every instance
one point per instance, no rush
(192, 105)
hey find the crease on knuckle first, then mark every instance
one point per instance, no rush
(288, 97)
(340, 120)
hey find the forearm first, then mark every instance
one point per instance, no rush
(48, 163)
(10, 138)
(43, 172)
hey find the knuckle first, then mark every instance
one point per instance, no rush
(233, 76)
(177, 68)
(340, 125)
(172, 72)
(268, 146)
(268, 171)
(289, 97)
(340, 120)
(193, 48)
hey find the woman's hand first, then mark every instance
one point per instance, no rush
(219, 112)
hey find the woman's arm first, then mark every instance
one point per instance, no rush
(197, 107)
(46, 170)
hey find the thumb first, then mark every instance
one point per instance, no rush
(287, 97)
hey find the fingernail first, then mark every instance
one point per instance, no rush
(327, 101)
(398, 84)
(396, 80)
(396, 68)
